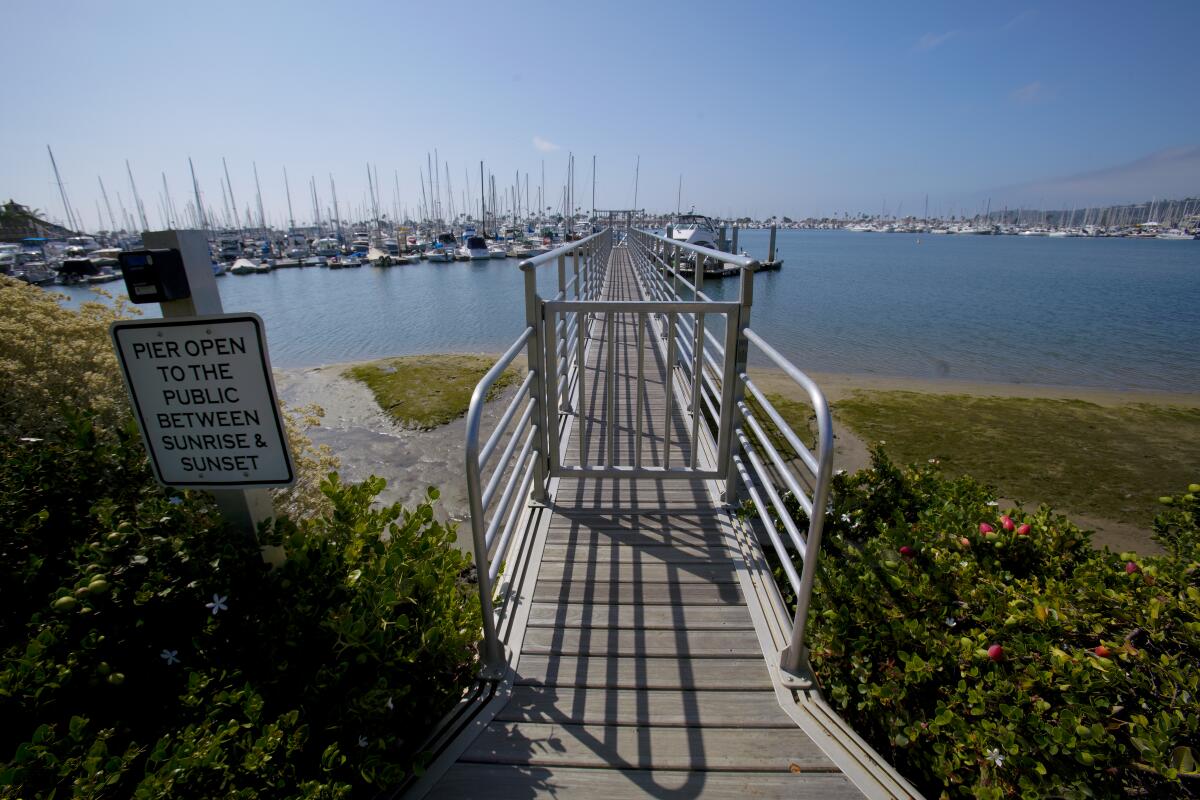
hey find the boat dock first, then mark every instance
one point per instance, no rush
(635, 642)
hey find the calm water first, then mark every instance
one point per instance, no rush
(1109, 313)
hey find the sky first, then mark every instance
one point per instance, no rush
(758, 108)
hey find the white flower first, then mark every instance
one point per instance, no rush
(170, 656)
(389, 705)
(362, 741)
(950, 622)
(995, 757)
(992, 503)
(217, 604)
(845, 517)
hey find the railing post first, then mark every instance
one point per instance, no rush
(734, 390)
(566, 347)
(536, 354)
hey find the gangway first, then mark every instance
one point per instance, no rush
(635, 643)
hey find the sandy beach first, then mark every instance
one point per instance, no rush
(368, 442)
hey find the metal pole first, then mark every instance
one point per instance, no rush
(535, 353)
(735, 390)
(244, 509)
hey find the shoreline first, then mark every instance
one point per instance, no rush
(368, 441)
(842, 384)
(837, 385)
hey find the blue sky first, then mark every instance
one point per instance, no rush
(764, 108)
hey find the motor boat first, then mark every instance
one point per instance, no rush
(476, 249)
(694, 229)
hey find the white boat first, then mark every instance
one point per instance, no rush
(498, 251)
(105, 257)
(1174, 235)
(694, 229)
(476, 249)
(244, 266)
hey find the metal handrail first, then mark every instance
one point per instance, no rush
(793, 655)
(552, 255)
(492, 652)
(521, 468)
(708, 375)
(706, 252)
(745, 433)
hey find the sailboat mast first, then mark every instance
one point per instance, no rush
(229, 186)
(200, 218)
(424, 201)
(637, 172)
(111, 219)
(482, 205)
(137, 200)
(62, 192)
(288, 190)
(262, 218)
(337, 221)
(171, 215)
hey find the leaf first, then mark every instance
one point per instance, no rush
(1183, 760)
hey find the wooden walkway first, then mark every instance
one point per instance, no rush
(640, 672)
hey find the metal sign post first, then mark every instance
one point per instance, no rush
(201, 386)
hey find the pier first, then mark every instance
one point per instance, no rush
(635, 642)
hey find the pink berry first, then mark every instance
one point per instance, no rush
(1023, 530)
(1131, 567)
(985, 529)
(1007, 523)
(996, 652)
(907, 551)
(1103, 651)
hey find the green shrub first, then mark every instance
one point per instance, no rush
(148, 652)
(1093, 690)
(56, 362)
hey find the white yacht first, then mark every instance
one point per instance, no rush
(694, 229)
(476, 249)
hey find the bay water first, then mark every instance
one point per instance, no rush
(1111, 313)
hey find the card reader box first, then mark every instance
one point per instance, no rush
(154, 276)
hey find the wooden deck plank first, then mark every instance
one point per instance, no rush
(734, 643)
(712, 594)
(633, 672)
(726, 749)
(604, 571)
(667, 618)
(487, 780)
(657, 707)
(627, 552)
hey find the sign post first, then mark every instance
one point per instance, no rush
(201, 386)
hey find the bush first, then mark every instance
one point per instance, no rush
(1015, 661)
(148, 652)
(56, 362)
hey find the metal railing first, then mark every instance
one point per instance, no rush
(742, 438)
(497, 506)
(705, 373)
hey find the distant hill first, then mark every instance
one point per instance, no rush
(18, 222)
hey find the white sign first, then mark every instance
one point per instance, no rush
(205, 400)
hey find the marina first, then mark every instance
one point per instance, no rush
(1104, 313)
